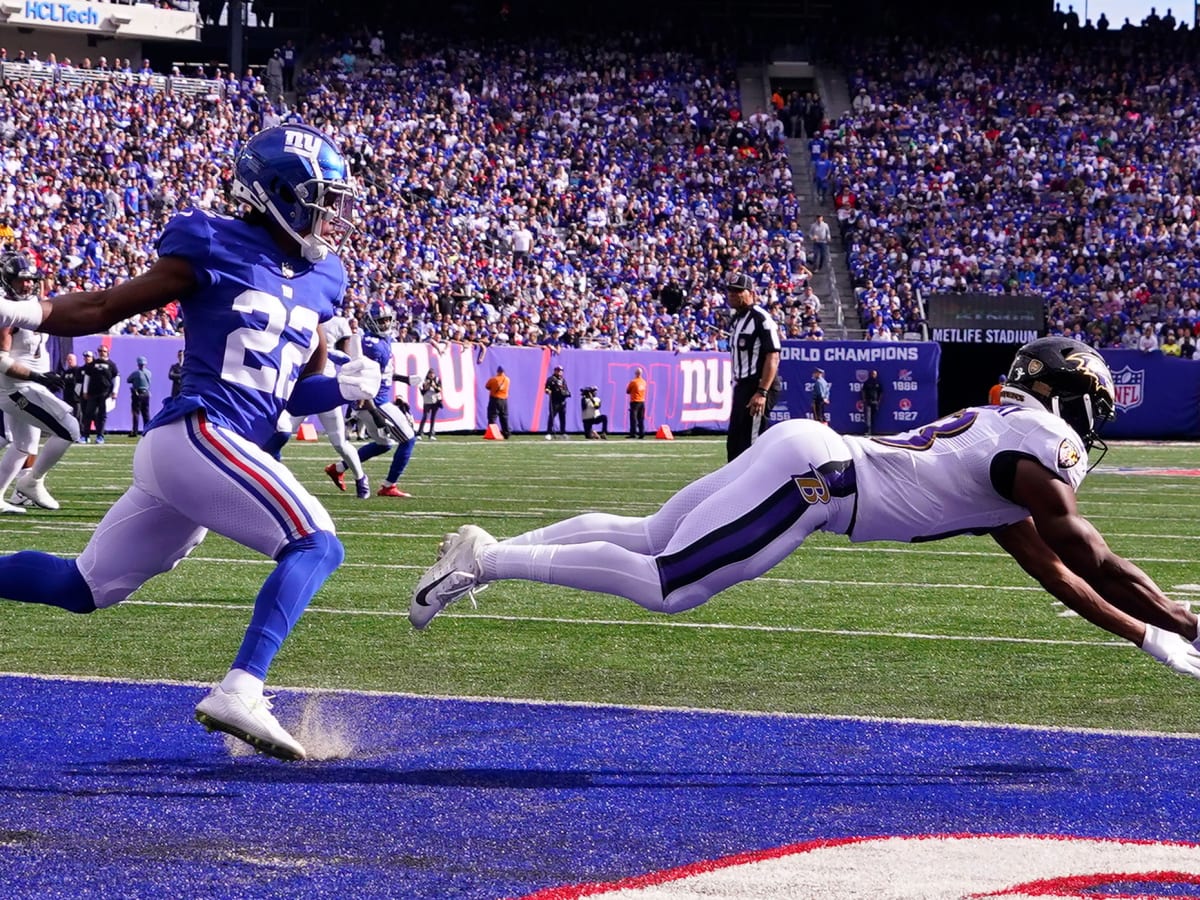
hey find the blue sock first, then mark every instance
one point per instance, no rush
(400, 460)
(371, 450)
(35, 577)
(300, 571)
(275, 443)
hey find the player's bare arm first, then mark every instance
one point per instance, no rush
(90, 312)
(1077, 542)
(1069, 557)
(1024, 543)
(316, 362)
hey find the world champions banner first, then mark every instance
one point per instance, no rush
(908, 371)
(1157, 396)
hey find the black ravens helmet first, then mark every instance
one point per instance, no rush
(14, 268)
(1068, 378)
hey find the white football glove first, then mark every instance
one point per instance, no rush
(1172, 651)
(359, 379)
(20, 314)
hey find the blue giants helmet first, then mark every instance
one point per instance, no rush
(378, 319)
(295, 174)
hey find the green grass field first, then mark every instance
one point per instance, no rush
(952, 630)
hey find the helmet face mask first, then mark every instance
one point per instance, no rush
(295, 174)
(1068, 378)
(19, 277)
(378, 320)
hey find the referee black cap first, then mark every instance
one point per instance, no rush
(739, 281)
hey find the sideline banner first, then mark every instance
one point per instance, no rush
(907, 369)
(1157, 396)
(689, 390)
(684, 391)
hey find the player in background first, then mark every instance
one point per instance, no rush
(1010, 471)
(333, 421)
(346, 343)
(254, 292)
(26, 398)
(388, 423)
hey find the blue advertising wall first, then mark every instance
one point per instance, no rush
(908, 371)
(685, 391)
(1157, 396)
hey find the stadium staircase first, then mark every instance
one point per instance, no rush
(839, 313)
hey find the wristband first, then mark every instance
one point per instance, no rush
(762, 392)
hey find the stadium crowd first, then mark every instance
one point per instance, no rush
(581, 194)
(1065, 168)
(597, 194)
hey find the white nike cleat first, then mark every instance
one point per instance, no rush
(248, 717)
(7, 509)
(35, 489)
(454, 575)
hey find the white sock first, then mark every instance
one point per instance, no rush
(239, 681)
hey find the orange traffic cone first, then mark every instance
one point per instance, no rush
(306, 432)
(664, 433)
(493, 433)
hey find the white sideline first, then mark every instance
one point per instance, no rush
(586, 704)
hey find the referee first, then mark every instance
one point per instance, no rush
(754, 345)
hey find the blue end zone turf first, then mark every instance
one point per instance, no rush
(110, 789)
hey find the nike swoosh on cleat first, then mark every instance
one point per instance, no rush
(421, 595)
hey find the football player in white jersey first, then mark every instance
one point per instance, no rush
(343, 337)
(26, 397)
(1010, 471)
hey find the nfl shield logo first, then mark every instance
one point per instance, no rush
(1128, 384)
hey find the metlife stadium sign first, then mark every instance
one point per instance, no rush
(139, 21)
(985, 318)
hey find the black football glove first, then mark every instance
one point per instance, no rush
(50, 380)
(384, 422)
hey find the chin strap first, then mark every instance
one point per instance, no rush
(1102, 447)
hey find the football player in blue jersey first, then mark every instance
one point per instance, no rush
(388, 422)
(1010, 471)
(254, 292)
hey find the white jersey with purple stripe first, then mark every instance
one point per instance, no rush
(250, 325)
(953, 476)
(29, 349)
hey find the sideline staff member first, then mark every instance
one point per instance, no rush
(497, 409)
(754, 345)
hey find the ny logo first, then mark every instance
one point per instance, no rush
(301, 142)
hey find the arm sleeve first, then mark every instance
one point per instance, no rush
(314, 394)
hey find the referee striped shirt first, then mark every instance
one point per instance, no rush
(755, 334)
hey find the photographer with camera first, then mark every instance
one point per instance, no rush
(589, 405)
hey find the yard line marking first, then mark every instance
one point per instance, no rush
(656, 623)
